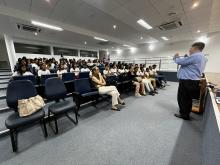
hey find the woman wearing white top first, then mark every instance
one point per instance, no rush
(152, 80)
(100, 83)
(75, 69)
(107, 72)
(146, 82)
(22, 71)
(85, 68)
(121, 69)
(43, 70)
(61, 70)
(114, 70)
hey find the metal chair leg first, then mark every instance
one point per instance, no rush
(44, 128)
(13, 140)
(76, 115)
(56, 126)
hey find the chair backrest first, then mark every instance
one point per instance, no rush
(55, 88)
(82, 85)
(17, 90)
(68, 77)
(110, 80)
(29, 77)
(43, 78)
(53, 71)
(84, 75)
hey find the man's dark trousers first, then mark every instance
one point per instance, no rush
(187, 91)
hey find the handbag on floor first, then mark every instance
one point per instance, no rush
(26, 107)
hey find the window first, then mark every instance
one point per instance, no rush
(31, 49)
(65, 51)
(85, 53)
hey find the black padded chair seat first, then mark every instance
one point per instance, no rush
(15, 121)
(90, 94)
(61, 107)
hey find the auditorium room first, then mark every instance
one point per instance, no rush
(109, 82)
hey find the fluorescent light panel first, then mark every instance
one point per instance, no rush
(100, 39)
(195, 4)
(165, 38)
(144, 24)
(46, 25)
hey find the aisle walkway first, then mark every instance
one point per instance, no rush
(145, 132)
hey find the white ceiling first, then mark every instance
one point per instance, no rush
(96, 17)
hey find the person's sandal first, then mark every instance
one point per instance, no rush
(114, 108)
(121, 102)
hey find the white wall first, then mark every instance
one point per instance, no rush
(164, 50)
(13, 56)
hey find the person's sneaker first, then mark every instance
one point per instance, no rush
(138, 95)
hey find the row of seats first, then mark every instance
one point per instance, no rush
(41, 80)
(54, 89)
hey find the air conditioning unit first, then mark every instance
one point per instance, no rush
(28, 28)
(103, 43)
(170, 25)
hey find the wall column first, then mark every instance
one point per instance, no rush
(11, 51)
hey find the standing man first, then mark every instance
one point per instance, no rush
(189, 75)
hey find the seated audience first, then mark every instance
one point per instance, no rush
(22, 70)
(43, 70)
(34, 65)
(153, 80)
(137, 81)
(121, 69)
(85, 68)
(107, 72)
(147, 82)
(160, 77)
(114, 70)
(61, 70)
(75, 69)
(100, 84)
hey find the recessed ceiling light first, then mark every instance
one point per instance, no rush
(195, 4)
(144, 24)
(114, 27)
(198, 31)
(100, 39)
(165, 38)
(46, 25)
(151, 47)
(85, 43)
(141, 38)
(35, 34)
(47, 1)
(118, 51)
(133, 49)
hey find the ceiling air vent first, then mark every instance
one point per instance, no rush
(104, 43)
(28, 28)
(171, 25)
